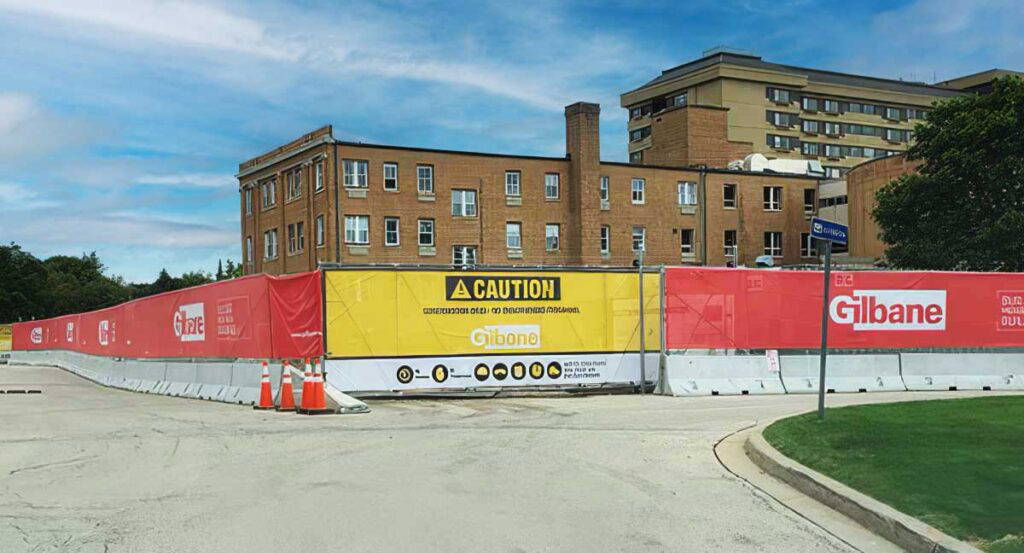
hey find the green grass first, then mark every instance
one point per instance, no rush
(955, 464)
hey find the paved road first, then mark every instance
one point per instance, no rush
(90, 469)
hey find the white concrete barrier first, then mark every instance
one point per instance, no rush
(843, 373)
(719, 375)
(963, 371)
(213, 379)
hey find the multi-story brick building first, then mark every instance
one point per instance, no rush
(781, 111)
(319, 199)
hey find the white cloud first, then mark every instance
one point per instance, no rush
(19, 197)
(28, 131)
(120, 230)
(201, 180)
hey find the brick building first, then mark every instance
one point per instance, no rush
(319, 199)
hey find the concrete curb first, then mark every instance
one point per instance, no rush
(903, 530)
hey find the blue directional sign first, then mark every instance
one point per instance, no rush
(828, 230)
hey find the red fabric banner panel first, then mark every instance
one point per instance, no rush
(258, 316)
(770, 309)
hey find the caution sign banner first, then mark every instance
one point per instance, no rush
(384, 313)
(5, 337)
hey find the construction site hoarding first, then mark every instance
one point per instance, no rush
(398, 329)
(5, 337)
(771, 309)
(257, 316)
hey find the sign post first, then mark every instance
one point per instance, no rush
(826, 232)
(643, 345)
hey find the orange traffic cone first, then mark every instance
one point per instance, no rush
(314, 403)
(287, 402)
(307, 385)
(266, 395)
(318, 392)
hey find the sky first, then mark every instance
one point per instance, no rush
(122, 122)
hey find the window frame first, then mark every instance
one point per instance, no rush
(557, 186)
(355, 240)
(248, 249)
(320, 231)
(293, 184)
(428, 180)
(318, 176)
(397, 231)
(518, 226)
(466, 208)
(604, 243)
(390, 165)
(464, 250)
(270, 249)
(603, 191)
(808, 245)
(638, 196)
(770, 246)
(350, 175)
(247, 200)
(516, 184)
(548, 227)
(730, 250)
(771, 198)
(809, 207)
(690, 249)
(725, 197)
(268, 187)
(642, 241)
(420, 233)
(681, 197)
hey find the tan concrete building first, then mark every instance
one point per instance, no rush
(862, 183)
(319, 199)
(781, 111)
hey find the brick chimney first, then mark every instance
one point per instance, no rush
(583, 147)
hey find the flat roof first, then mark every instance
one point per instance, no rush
(817, 75)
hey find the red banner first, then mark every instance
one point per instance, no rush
(768, 309)
(258, 316)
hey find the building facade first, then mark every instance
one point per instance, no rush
(780, 111)
(862, 183)
(319, 199)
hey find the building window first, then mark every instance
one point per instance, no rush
(782, 142)
(687, 193)
(293, 180)
(248, 249)
(893, 114)
(425, 232)
(637, 112)
(780, 119)
(604, 189)
(636, 157)
(893, 135)
(686, 241)
(606, 239)
(512, 179)
(247, 195)
(810, 127)
(832, 129)
(464, 203)
(391, 176)
(296, 238)
(831, 106)
(833, 150)
(425, 179)
(268, 192)
(551, 186)
(639, 239)
(551, 237)
(357, 229)
(270, 244)
(810, 148)
(637, 190)
(636, 135)
(807, 245)
(809, 195)
(729, 241)
(917, 113)
(773, 244)
(320, 231)
(773, 198)
(354, 173)
(318, 175)
(513, 236)
(463, 256)
(779, 95)
(678, 100)
(729, 195)
(833, 172)
(810, 104)
(391, 231)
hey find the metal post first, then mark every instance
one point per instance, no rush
(640, 275)
(824, 331)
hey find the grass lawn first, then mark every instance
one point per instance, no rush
(956, 464)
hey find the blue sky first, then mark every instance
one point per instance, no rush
(123, 121)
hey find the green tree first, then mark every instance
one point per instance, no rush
(964, 210)
(23, 294)
(77, 284)
(220, 270)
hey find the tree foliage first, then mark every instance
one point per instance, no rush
(31, 288)
(964, 210)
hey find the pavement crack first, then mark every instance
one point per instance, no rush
(66, 462)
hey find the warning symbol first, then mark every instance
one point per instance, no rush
(440, 373)
(404, 374)
(554, 369)
(500, 371)
(481, 372)
(460, 292)
(518, 370)
(536, 370)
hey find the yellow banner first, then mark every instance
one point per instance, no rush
(400, 313)
(5, 337)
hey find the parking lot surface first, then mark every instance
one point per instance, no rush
(85, 468)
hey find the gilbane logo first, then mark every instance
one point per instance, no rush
(506, 337)
(37, 335)
(189, 323)
(891, 309)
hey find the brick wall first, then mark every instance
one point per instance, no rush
(693, 135)
(862, 182)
